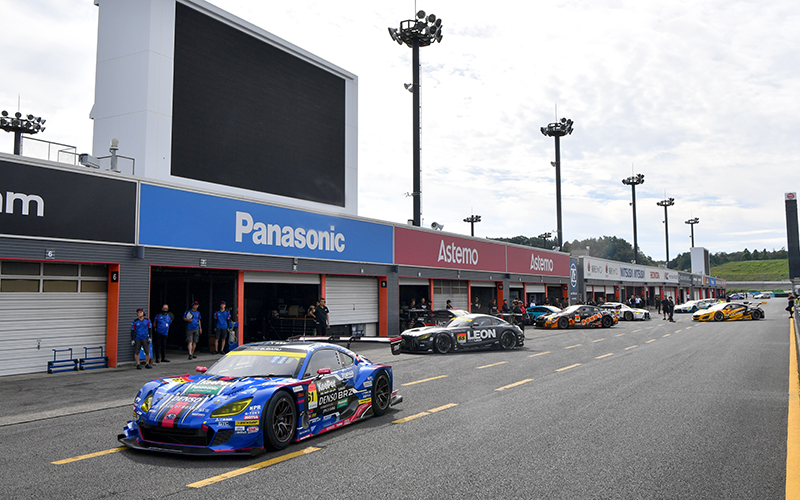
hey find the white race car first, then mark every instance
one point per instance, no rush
(763, 295)
(624, 311)
(691, 306)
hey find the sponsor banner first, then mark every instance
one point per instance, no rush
(51, 203)
(712, 281)
(601, 269)
(181, 219)
(574, 280)
(685, 279)
(434, 249)
(535, 261)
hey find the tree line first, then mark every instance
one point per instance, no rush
(618, 249)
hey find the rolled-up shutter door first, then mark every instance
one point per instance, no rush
(351, 300)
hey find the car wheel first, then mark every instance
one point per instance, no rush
(280, 421)
(563, 323)
(508, 340)
(756, 314)
(442, 343)
(694, 309)
(381, 393)
(606, 322)
(628, 316)
(718, 316)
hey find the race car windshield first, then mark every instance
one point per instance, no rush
(258, 364)
(459, 322)
(571, 309)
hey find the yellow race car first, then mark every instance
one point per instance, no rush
(729, 311)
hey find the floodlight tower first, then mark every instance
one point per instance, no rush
(19, 125)
(634, 181)
(666, 203)
(691, 223)
(472, 219)
(558, 130)
(417, 33)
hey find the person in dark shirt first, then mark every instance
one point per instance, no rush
(221, 317)
(323, 320)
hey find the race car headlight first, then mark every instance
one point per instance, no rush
(424, 337)
(231, 409)
(146, 404)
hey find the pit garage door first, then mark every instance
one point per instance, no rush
(457, 292)
(48, 306)
(353, 301)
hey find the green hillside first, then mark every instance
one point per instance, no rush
(753, 270)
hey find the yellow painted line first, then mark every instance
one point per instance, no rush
(688, 328)
(631, 347)
(599, 340)
(651, 340)
(425, 380)
(605, 355)
(620, 335)
(650, 327)
(251, 468)
(538, 354)
(793, 429)
(423, 413)
(90, 455)
(576, 345)
(509, 386)
(568, 367)
(639, 330)
(676, 331)
(493, 364)
(667, 335)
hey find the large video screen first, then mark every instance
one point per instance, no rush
(250, 115)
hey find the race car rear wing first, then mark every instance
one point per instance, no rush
(394, 342)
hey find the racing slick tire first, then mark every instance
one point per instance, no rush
(606, 322)
(563, 323)
(756, 314)
(628, 316)
(442, 343)
(508, 340)
(280, 421)
(381, 393)
(718, 316)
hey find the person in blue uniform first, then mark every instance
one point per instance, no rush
(193, 328)
(162, 322)
(140, 338)
(221, 319)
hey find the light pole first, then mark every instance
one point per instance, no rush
(634, 181)
(417, 33)
(666, 203)
(472, 219)
(19, 125)
(544, 237)
(691, 223)
(557, 130)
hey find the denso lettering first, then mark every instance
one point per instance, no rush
(457, 255)
(287, 236)
(541, 264)
(25, 203)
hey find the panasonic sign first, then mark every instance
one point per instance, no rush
(288, 236)
(26, 200)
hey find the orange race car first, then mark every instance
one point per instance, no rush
(578, 316)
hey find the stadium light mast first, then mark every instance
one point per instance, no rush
(557, 130)
(472, 219)
(20, 125)
(634, 181)
(416, 33)
(691, 223)
(668, 202)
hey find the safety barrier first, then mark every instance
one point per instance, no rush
(94, 362)
(62, 365)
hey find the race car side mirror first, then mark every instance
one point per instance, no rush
(201, 369)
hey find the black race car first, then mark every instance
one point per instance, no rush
(463, 332)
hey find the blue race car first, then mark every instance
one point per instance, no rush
(259, 396)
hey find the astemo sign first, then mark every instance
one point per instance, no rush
(453, 254)
(540, 264)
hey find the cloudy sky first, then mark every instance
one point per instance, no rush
(702, 97)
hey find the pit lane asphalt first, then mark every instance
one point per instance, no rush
(683, 410)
